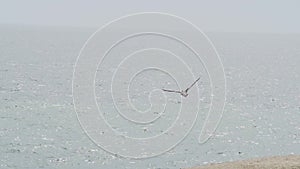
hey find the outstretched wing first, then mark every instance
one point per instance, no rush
(186, 90)
(174, 91)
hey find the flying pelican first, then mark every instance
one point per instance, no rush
(183, 93)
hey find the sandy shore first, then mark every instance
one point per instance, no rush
(284, 162)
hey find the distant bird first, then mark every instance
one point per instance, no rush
(183, 93)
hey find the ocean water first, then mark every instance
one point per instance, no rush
(39, 127)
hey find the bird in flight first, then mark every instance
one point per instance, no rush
(183, 93)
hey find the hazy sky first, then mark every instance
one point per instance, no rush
(227, 15)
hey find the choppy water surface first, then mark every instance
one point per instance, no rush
(39, 128)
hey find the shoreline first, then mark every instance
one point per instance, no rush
(280, 162)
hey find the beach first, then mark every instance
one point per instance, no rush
(277, 162)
